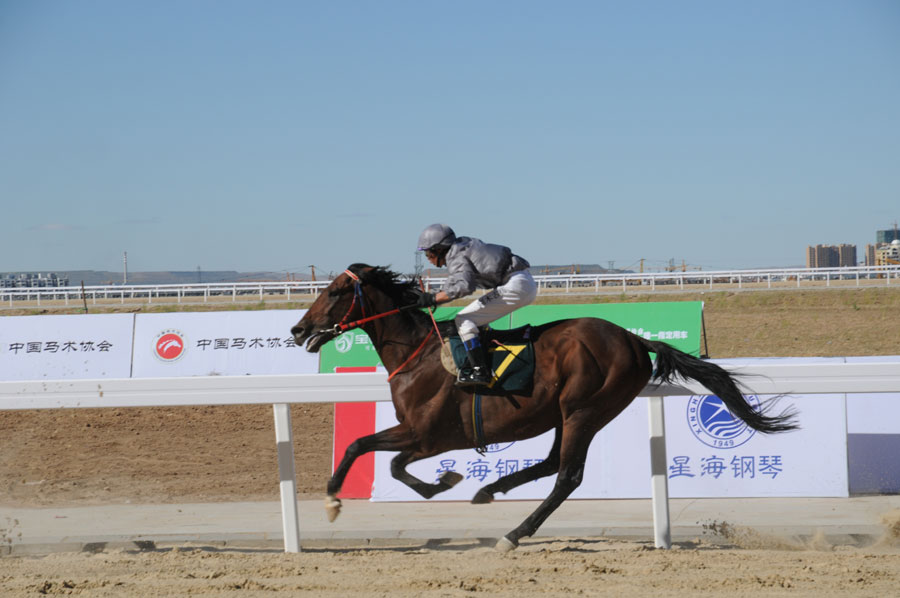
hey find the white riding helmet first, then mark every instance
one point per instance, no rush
(436, 235)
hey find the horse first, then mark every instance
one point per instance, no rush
(587, 371)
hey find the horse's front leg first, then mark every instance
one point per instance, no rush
(446, 480)
(398, 438)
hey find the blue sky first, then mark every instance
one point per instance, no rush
(274, 135)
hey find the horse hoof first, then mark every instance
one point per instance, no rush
(332, 507)
(450, 479)
(482, 498)
(504, 544)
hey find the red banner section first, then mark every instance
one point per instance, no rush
(351, 421)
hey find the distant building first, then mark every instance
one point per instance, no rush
(826, 256)
(883, 237)
(846, 255)
(870, 254)
(884, 249)
(830, 256)
(888, 254)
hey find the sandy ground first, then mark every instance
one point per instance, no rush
(595, 567)
(183, 454)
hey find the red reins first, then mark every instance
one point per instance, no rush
(343, 326)
(411, 357)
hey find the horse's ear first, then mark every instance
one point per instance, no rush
(360, 270)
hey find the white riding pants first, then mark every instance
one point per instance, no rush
(518, 291)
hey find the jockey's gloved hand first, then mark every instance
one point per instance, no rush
(426, 300)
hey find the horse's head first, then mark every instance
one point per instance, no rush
(361, 290)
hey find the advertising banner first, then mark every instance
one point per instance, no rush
(679, 323)
(229, 343)
(352, 352)
(712, 454)
(477, 470)
(351, 349)
(618, 463)
(873, 437)
(66, 346)
(709, 454)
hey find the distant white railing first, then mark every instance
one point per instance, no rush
(247, 292)
(783, 278)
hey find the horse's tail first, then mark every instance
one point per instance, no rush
(672, 363)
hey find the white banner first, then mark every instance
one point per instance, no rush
(704, 465)
(477, 470)
(232, 343)
(873, 437)
(711, 454)
(873, 413)
(708, 454)
(65, 346)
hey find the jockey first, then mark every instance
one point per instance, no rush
(473, 264)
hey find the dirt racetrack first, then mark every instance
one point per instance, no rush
(115, 456)
(595, 567)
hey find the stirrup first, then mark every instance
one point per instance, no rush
(473, 376)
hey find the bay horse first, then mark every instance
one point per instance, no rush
(587, 371)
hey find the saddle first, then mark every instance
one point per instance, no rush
(510, 354)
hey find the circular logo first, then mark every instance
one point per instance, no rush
(169, 345)
(498, 447)
(713, 425)
(344, 343)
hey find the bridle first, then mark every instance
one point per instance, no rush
(358, 296)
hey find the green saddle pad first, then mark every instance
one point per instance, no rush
(512, 358)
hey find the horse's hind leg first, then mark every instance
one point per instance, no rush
(447, 480)
(578, 431)
(548, 466)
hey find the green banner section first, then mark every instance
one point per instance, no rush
(677, 323)
(351, 349)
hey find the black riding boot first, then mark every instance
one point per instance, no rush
(476, 372)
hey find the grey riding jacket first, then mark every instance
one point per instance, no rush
(473, 264)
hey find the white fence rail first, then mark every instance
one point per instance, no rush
(282, 390)
(783, 278)
(245, 292)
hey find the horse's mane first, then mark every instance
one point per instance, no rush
(401, 290)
